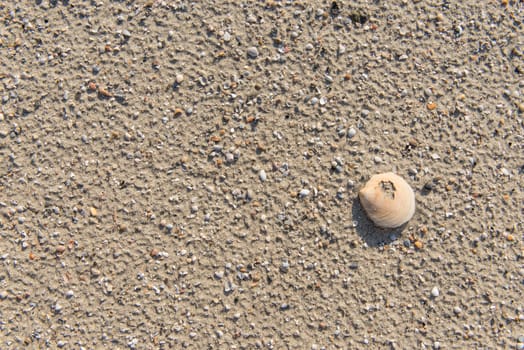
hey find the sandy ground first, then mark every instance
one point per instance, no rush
(185, 175)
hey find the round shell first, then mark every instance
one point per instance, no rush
(388, 200)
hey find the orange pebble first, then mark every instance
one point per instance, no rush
(178, 112)
(418, 244)
(92, 86)
(431, 106)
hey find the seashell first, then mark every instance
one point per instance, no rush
(388, 200)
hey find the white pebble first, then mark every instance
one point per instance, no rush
(252, 52)
(262, 175)
(303, 193)
(351, 133)
(435, 292)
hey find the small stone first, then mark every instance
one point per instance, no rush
(435, 292)
(219, 275)
(69, 294)
(303, 193)
(230, 158)
(3, 295)
(179, 78)
(457, 310)
(126, 33)
(431, 106)
(57, 307)
(284, 306)
(154, 253)
(262, 175)
(252, 52)
(229, 287)
(61, 343)
(377, 159)
(284, 267)
(226, 37)
(309, 47)
(351, 133)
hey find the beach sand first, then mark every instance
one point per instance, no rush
(181, 174)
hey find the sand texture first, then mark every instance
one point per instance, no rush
(180, 174)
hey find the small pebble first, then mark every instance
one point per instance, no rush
(57, 308)
(435, 292)
(230, 158)
(262, 175)
(457, 310)
(69, 294)
(284, 267)
(3, 295)
(351, 133)
(303, 193)
(252, 52)
(179, 78)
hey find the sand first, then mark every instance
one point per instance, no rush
(184, 175)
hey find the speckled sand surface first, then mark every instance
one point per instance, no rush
(183, 174)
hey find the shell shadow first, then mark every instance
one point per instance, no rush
(373, 236)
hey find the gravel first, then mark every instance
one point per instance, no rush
(252, 52)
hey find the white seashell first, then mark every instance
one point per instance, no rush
(388, 200)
